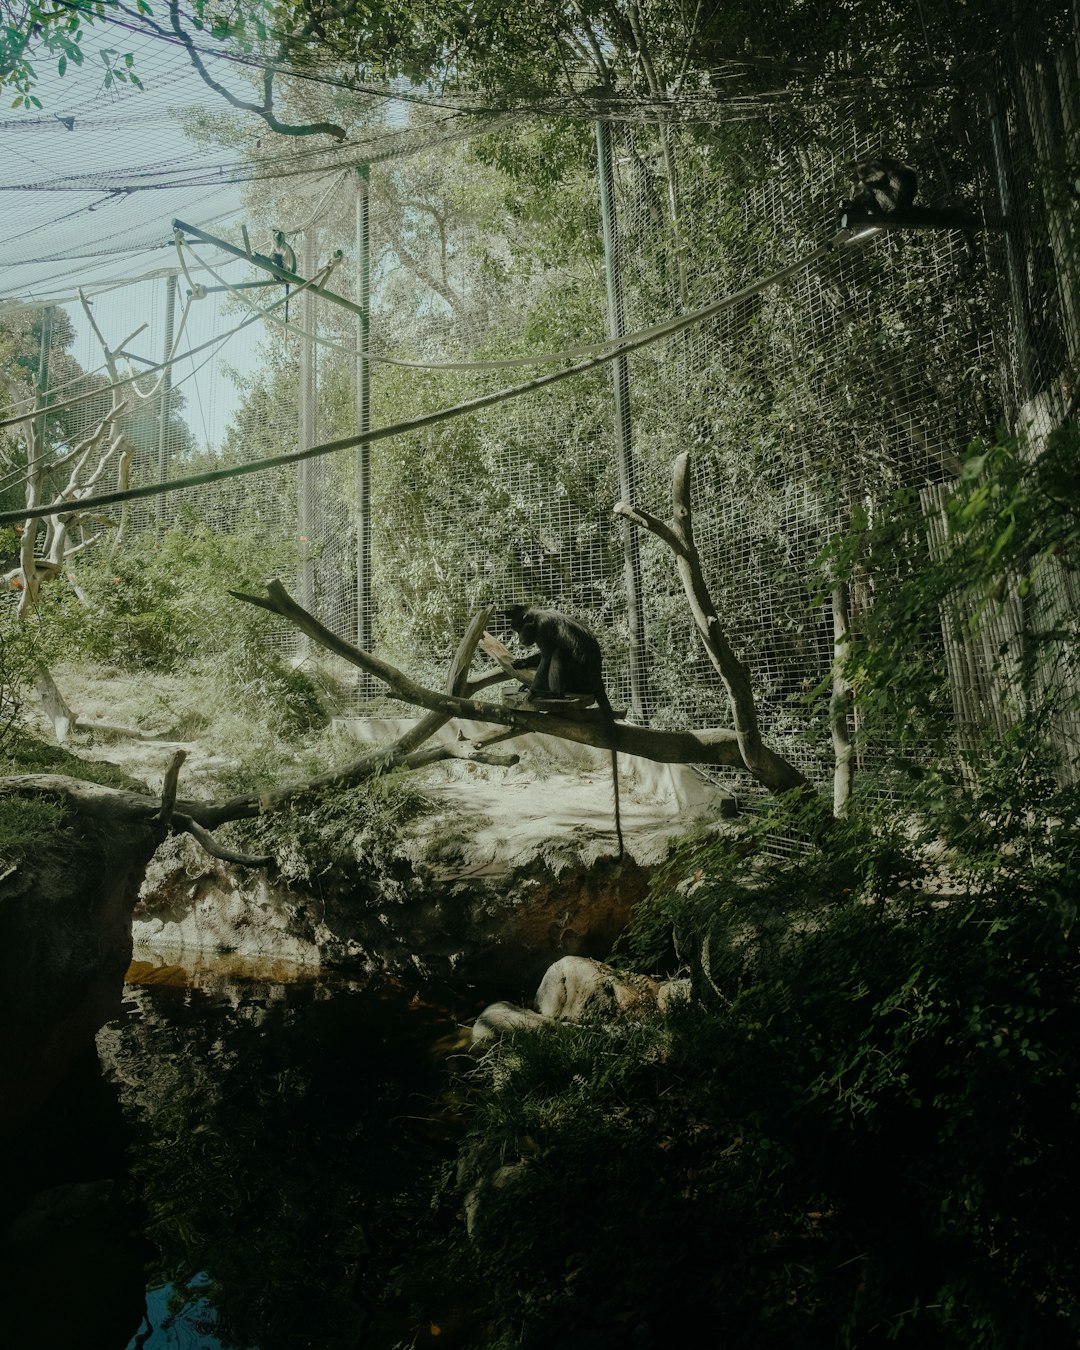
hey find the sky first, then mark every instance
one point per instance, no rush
(66, 223)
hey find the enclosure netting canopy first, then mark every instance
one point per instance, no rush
(810, 374)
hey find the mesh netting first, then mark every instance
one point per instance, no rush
(803, 402)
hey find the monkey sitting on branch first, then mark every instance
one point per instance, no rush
(885, 194)
(567, 662)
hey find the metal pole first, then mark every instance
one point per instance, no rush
(639, 685)
(44, 355)
(166, 388)
(306, 427)
(1014, 265)
(35, 446)
(363, 413)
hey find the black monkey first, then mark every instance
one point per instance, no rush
(884, 187)
(568, 661)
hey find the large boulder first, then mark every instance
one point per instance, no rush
(576, 987)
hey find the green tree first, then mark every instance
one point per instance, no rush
(59, 32)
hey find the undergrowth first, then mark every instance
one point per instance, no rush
(860, 1132)
(342, 839)
(25, 754)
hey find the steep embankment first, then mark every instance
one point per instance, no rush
(65, 943)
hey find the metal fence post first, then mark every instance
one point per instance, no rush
(363, 412)
(306, 426)
(166, 387)
(639, 684)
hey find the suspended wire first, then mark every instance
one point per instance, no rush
(12, 307)
(281, 165)
(295, 328)
(625, 346)
(161, 365)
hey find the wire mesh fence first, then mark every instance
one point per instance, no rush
(867, 369)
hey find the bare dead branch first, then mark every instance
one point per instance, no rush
(168, 788)
(715, 745)
(653, 524)
(769, 768)
(265, 109)
(486, 681)
(185, 825)
(457, 682)
(434, 754)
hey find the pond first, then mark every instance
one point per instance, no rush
(276, 1134)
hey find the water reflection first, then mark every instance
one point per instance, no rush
(278, 1133)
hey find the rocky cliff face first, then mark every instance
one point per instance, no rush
(436, 921)
(65, 943)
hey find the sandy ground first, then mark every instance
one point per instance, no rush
(557, 800)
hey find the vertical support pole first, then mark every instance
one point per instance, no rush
(1014, 262)
(35, 459)
(306, 425)
(639, 687)
(840, 703)
(363, 414)
(166, 390)
(44, 356)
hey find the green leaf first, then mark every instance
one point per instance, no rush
(973, 467)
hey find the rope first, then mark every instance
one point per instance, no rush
(444, 414)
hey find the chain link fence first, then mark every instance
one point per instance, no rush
(807, 400)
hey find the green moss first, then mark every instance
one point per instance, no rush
(25, 822)
(24, 755)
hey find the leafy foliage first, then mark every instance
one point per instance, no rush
(860, 1133)
(61, 32)
(1008, 554)
(162, 605)
(345, 840)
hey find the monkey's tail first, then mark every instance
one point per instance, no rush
(605, 706)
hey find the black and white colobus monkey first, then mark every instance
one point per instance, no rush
(568, 662)
(884, 186)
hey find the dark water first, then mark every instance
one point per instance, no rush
(260, 1177)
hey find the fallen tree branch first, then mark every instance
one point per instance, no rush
(714, 745)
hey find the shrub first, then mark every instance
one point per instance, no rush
(860, 1133)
